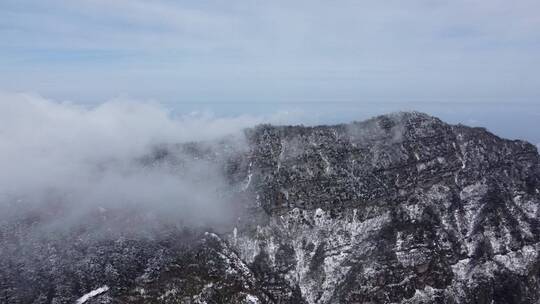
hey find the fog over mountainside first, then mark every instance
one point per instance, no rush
(125, 203)
(74, 160)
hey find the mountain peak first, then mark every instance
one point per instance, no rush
(400, 208)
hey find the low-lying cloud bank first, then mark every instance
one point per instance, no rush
(66, 160)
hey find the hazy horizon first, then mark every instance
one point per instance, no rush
(471, 62)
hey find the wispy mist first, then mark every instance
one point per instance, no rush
(63, 162)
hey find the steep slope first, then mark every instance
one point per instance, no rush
(402, 208)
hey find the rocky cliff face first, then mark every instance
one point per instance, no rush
(402, 208)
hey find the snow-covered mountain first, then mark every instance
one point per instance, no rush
(402, 208)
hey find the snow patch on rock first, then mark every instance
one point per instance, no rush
(92, 294)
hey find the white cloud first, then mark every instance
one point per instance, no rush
(89, 159)
(395, 51)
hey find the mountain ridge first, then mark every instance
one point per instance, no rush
(400, 208)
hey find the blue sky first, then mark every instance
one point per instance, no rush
(257, 56)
